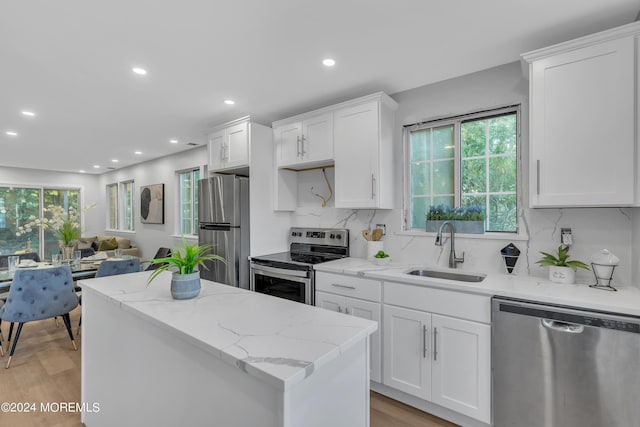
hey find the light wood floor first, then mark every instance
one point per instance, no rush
(45, 368)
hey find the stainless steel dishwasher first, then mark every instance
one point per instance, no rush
(556, 366)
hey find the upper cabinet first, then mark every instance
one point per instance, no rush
(355, 136)
(305, 142)
(229, 146)
(583, 118)
(363, 145)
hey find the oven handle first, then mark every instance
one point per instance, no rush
(281, 273)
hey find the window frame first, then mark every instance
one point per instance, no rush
(194, 202)
(520, 233)
(122, 226)
(109, 206)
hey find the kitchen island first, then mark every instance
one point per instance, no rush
(229, 357)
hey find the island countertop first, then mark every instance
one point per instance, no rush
(278, 341)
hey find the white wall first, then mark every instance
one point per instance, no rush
(149, 237)
(92, 220)
(593, 229)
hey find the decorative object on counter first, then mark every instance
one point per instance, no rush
(602, 264)
(561, 270)
(373, 248)
(367, 235)
(381, 258)
(376, 234)
(510, 255)
(466, 219)
(185, 283)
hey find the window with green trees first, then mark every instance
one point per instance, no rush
(20, 206)
(188, 196)
(463, 161)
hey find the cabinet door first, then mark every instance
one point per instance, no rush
(356, 139)
(371, 311)
(317, 138)
(287, 140)
(330, 302)
(461, 368)
(582, 126)
(407, 351)
(237, 145)
(217, 151)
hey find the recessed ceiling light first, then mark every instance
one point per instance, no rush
(28, 113)
(11, 133)
(173, 141)
(138, 152)
(328, 62)
(96, 166)
(114, 160)
(140, 71)
(82, 171)
(229, 101)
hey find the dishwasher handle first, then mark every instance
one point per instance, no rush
(569, 328)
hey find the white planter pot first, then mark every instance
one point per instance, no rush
(562, 274)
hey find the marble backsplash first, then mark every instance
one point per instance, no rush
(593, 229)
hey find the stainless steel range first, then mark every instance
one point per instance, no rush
(290, 274)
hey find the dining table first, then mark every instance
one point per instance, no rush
(86, 269)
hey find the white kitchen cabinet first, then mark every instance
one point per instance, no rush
(357, 297)
(461, 366)
(363, 149)
(583, 116)
(406, 360)
(304, 143)
(229, 146)
(437, 346)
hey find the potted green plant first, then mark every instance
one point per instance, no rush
(185, 282)
(466, 219)
(561, 270)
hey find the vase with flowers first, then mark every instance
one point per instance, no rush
(64, 223)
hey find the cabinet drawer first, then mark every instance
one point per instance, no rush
(450, 303)
(356, 287)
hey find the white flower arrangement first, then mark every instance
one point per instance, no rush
(66, 226)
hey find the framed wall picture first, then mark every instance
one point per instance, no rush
(152, 204)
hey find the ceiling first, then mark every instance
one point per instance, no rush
(70, 61)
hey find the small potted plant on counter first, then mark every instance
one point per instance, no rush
(185, 282)
(561, 270)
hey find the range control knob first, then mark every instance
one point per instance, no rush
(338, 236)
(332, 236)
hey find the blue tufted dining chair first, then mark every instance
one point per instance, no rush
(1, 338)
(38, 294)
(114, 268)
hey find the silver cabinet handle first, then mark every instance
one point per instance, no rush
(346, 310)
(424, 341)
(339, 309)
(537, 176)
(343, 286)
(302, 144)
(298, 145)
(373, 182)
(435, 343)
(222, 151)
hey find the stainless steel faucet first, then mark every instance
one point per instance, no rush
(453, 261)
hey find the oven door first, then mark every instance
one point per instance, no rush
(293, 285)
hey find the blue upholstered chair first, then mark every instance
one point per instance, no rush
(38, 294)
(1, 344)
(114, 268)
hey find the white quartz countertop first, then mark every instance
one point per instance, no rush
(625, 301)
(277, 340)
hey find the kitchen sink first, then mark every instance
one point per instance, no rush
(448, 275)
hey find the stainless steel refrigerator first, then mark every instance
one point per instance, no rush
(223, 212)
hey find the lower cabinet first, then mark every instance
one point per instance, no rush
(359, 308)
(358, 297)
(439, 358)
